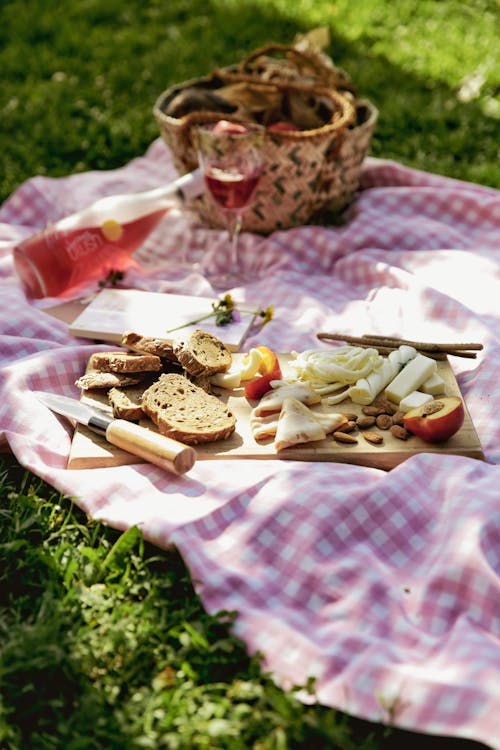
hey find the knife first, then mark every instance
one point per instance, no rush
(158, 449)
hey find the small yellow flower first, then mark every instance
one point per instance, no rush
(267, 314)
(227, 301)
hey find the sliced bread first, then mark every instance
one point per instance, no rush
(125, 362)
(185, 412)
(149, 345)
(101, 380)
(127, 402)
(203, 354)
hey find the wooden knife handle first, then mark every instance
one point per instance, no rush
(151, 446)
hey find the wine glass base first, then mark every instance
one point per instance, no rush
(224, 281)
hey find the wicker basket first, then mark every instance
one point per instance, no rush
(306, 173)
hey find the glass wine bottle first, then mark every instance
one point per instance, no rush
(101, 238)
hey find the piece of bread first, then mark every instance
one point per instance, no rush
(149, 345)
(185, 412)
(100, 380)
(126, 403)
(203, 354)
(125, 362)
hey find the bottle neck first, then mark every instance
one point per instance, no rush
(132, 206)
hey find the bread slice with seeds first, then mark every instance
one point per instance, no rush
(94, 380)
(185, 412)
(203, 354)
(125, 362)
(126, 403)
(149, 345)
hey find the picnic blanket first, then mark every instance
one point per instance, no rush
(383, 586)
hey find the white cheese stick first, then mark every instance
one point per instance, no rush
(367, 389)
(411, 377)
(413, 399)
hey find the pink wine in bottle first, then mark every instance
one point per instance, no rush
(87, 245)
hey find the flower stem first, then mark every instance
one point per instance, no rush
(191, 322)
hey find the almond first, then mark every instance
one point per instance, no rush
(383, 421)
(373, 437)
(397, 418)
(351, 416)
(387, 406)
(344, 437)
(348, 426)
(372, 411)
(400, 432)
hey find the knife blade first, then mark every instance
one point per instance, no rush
(153, 447)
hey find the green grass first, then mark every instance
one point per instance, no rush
(106, 645)
(79, 79)
(104, 641)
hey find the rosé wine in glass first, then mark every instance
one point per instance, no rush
(231, 190)
(231, 157)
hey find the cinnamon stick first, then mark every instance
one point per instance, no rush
(389, 343)
(429, 346)
(384, 350)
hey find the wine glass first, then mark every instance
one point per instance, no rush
(231, 158)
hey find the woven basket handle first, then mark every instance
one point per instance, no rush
(286, 50)
(332, 77)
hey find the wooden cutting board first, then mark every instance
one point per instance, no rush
(90, 450)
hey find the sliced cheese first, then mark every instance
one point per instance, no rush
(273, 400)
(264, 427)
(434, 385)
(411, 377)
(330, 421)
(296, 424)
(414, 399)
(229, 380)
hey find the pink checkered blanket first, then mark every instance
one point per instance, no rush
(383, 586)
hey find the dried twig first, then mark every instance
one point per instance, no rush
(385, 344)
(429, 346)
(384, 350)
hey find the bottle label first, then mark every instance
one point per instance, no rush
(83, 244)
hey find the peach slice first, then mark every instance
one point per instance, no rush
(282, 126)
(436, 420)
(231, 128)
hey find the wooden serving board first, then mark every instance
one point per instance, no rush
(90, 450)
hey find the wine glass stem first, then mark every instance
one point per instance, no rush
(234, 222)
